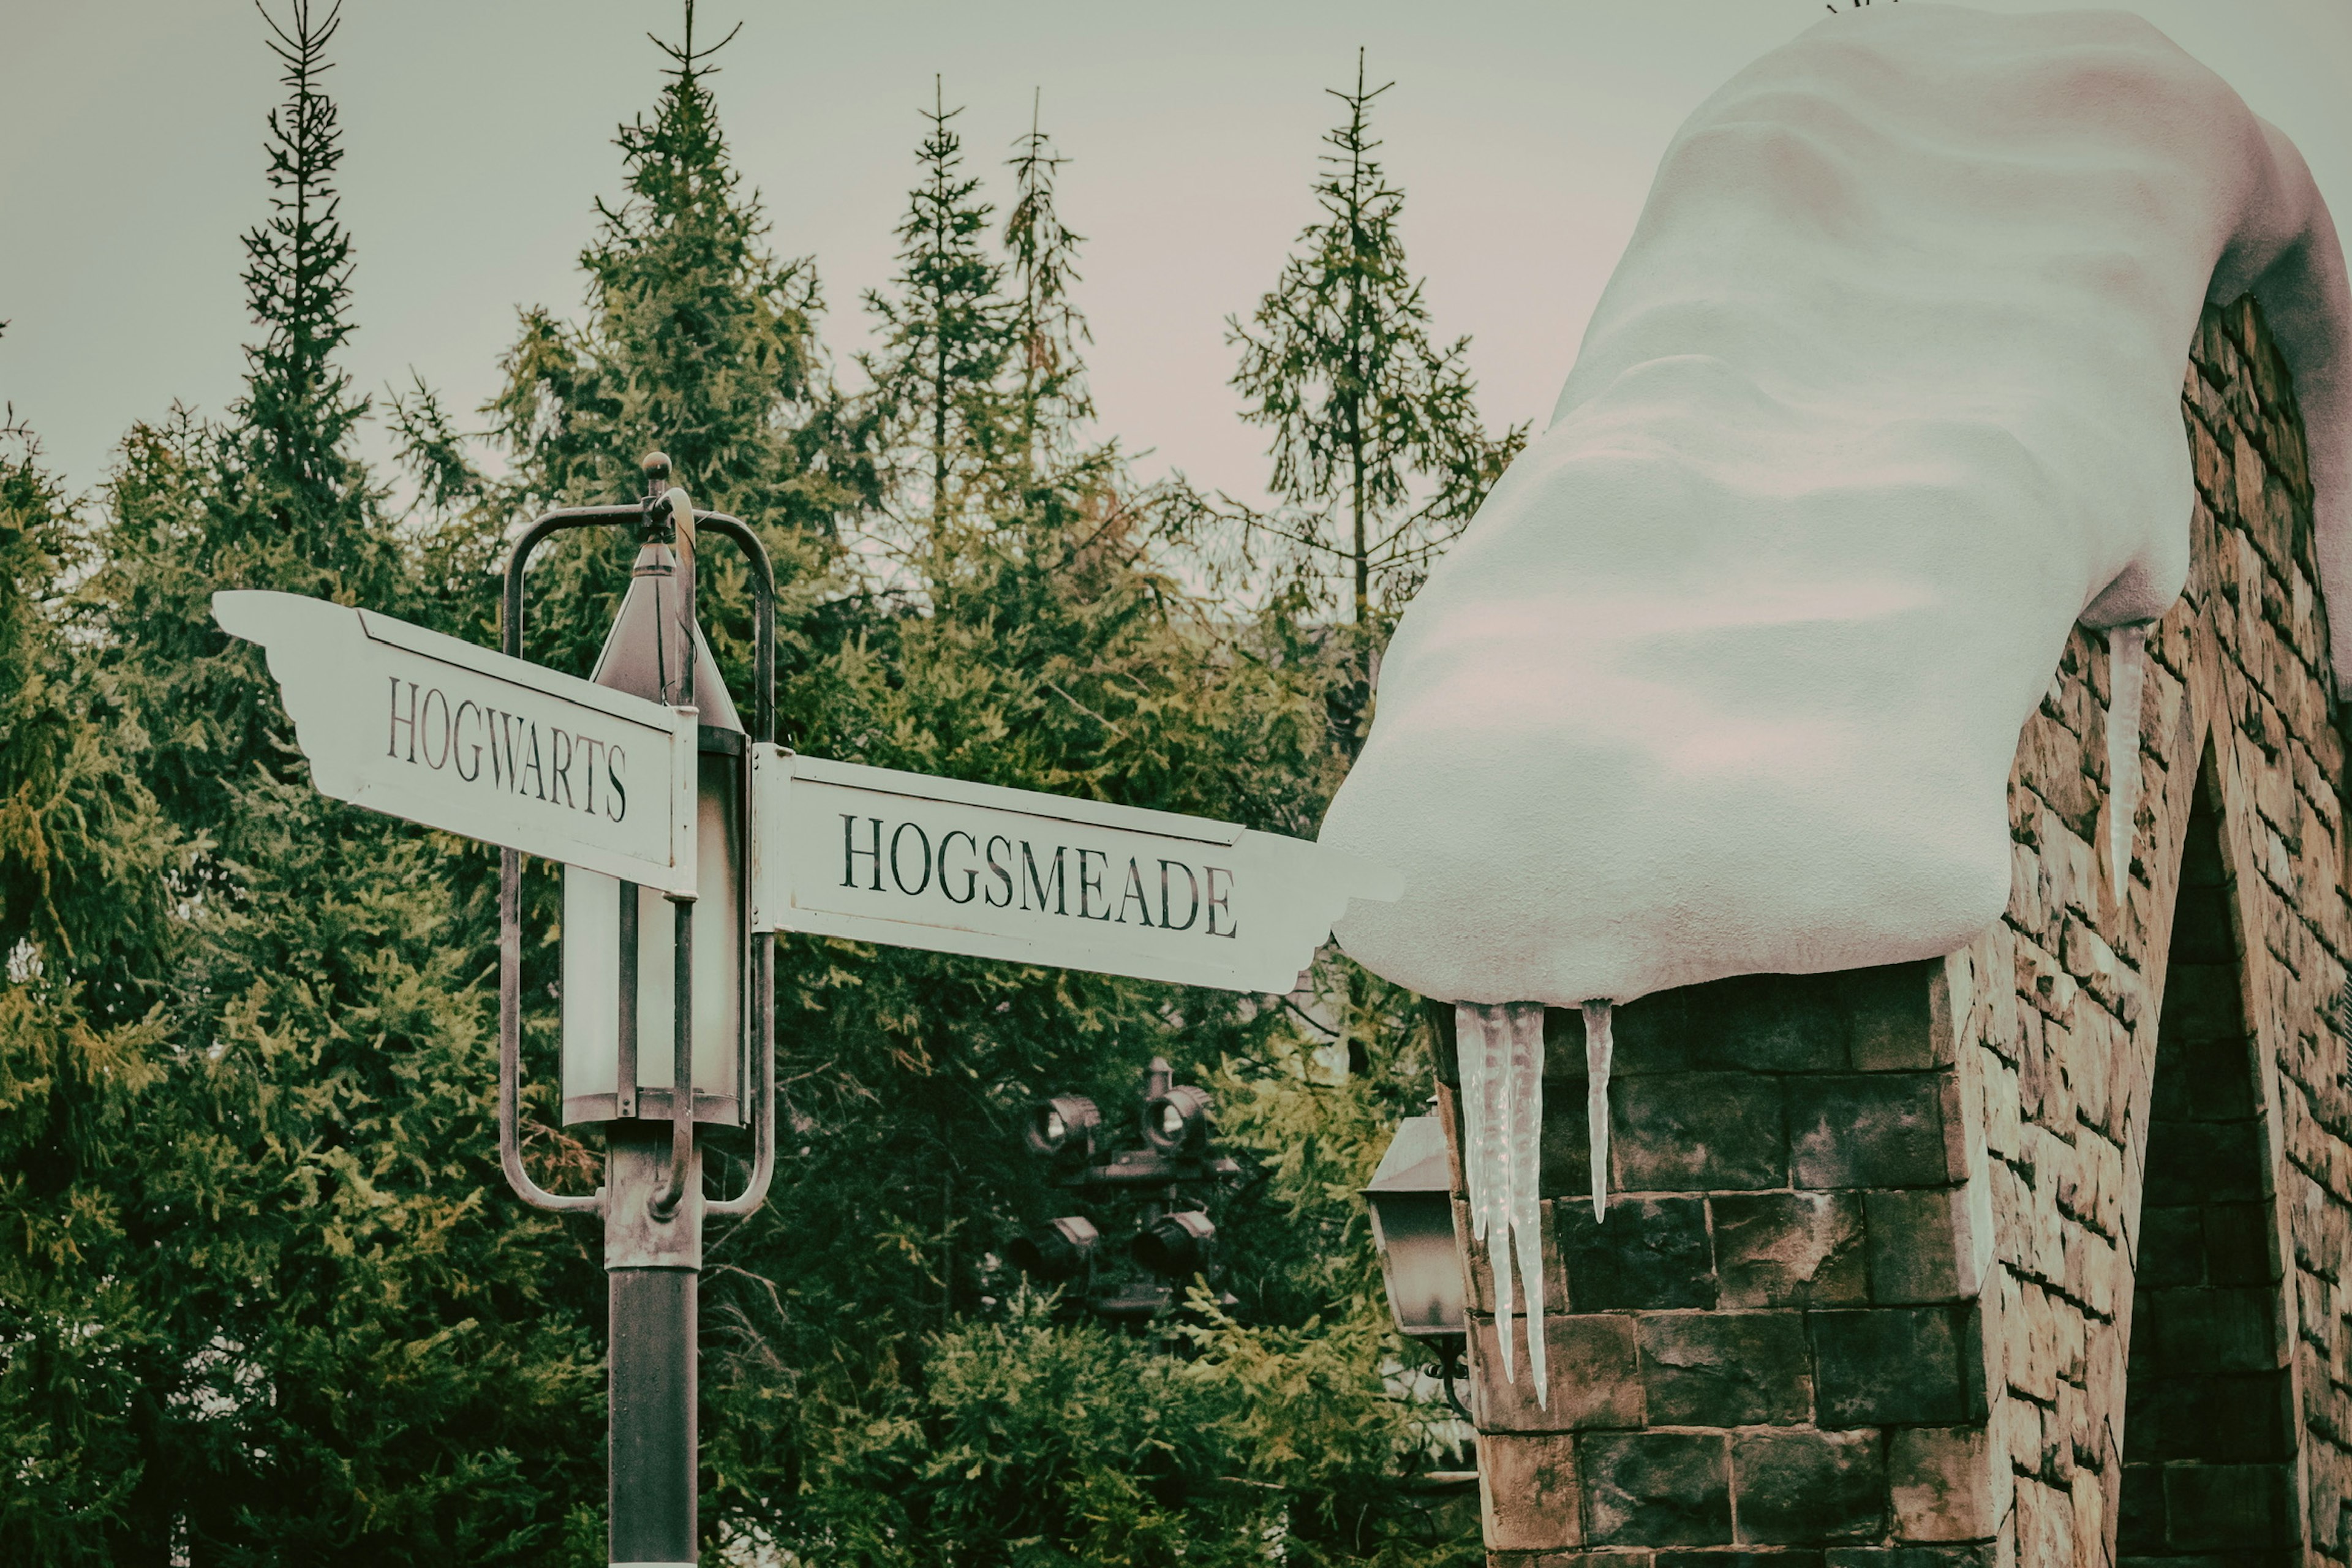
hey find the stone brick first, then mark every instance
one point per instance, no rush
(1726, 1369)
(1894, 1365)
(1939, 1480)
(1742, 1557)
(1656, 1489)
(2211, 1161)
(1789, 1249)
(1648, 1253)
(1528, 1492)
(1687, 1132)
(1770, 1023)
(1595, 1377)
(1894, 1023)
(1478, 1266)
(1879, 1130)
(1977, 1556)
(1652, 1034)
(2221, 1507)
(2214, 1329)
(1916, 1245)
(1804, 1487)
(2225, 1418)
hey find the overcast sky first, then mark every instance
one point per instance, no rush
(477, 132)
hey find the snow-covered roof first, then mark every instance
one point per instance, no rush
(1727, 675)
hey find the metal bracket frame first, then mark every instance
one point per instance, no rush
(761, 978)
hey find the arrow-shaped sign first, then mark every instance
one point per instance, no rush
(426, 727)
(908, 859)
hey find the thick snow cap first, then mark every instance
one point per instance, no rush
(1727, 675)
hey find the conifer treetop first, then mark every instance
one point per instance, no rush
(1379, 455)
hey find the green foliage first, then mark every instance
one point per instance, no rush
(937, 409)
(268, 1306)
(264, 1297)
(1379, 454)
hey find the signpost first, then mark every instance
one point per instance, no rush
(841, 850)
(418, 725)
(622, 781)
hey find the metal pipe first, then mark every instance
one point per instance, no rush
(668, 1194)
(624, 1077)
(510, 1047)
(763, 594)
(763, 946)
(511, 902)
(763, 1107)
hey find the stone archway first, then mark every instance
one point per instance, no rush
(2208, 1434)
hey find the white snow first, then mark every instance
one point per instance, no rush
(1727, 675)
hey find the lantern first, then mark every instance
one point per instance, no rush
(1412, 1202)
(619, 952)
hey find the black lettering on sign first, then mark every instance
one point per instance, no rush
(560, 749)
(850, 852)
(458, 723)
(970, 873)
(898, 876)
(392, 748)
(436, 732)
(502, 749)
(1091, 886)
(1192, 897)
(1002, 872)
(1029, 865)
(965, 867)
(425, 729)
(538, 772)
(1134, 895)
(1217, 902)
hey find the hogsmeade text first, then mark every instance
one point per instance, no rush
(1002, 871)
(563, 772)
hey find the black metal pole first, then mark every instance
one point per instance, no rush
(653, 1434)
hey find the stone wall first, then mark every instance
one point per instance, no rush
(1865, 1293)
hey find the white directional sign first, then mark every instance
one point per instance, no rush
(880, 856)
(425, 727)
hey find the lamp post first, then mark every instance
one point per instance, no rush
(668, 1013)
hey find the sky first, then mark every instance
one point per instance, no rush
(478, 135)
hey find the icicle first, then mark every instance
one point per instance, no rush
(1597, 1049)
(2126, 664)
(1470, 1066)
(1527, 1027)
(1499, 1051)
(1494, 1044)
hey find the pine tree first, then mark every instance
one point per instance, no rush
(274, 499)
(1379, 455)
(84, 944)
(345, 1343)
(303, 495)
(697, 341)
(937, 404)
(1048, 333)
